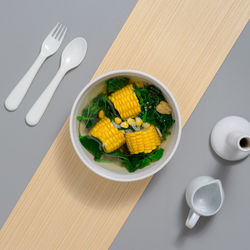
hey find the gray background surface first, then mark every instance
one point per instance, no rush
(157, 222)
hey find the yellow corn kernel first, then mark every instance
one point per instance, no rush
(145, 125)
(126, 102)
(130, 121)
(118, 120)
(124, 125)
(101, 114)
(144, 141)
(108, 134)
(138, 121)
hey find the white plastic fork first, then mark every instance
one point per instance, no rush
(49, 47)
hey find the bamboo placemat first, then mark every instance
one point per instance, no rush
(183, 43)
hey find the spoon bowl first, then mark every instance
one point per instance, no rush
(73, 54)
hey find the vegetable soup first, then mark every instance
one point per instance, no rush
(126, 122)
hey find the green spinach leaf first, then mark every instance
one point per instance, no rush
(90, 112)
(116, 83)
(156, 154)
(83, 118)
(140, 160)
(149, 97)
(93, 145)
(124, 159)
(117, 154)
(137, 161)
(108, 108)
(156, 91)
(131, 162)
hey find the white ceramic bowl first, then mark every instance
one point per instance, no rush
(114, 171)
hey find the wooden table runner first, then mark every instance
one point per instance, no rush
(183, 43)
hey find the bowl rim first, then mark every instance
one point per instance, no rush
(126, 72)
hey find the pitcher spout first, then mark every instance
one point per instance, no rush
(216, 193)
(219, 188)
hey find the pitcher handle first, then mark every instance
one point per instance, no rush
(192, 219)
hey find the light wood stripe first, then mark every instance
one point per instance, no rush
(183, 43)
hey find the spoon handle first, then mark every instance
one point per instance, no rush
(17, 94)
(37, 110)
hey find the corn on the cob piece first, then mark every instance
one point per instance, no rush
(144, 141)
(108, 134)
(126, 102)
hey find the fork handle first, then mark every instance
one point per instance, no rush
(37, 110)
(17, 94)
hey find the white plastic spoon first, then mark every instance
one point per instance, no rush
(72, 56)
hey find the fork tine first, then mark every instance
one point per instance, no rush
(63, 32)
(54, 29)
(58, 31)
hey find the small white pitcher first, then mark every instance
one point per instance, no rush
(205, 197)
